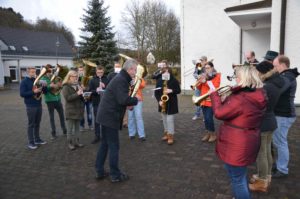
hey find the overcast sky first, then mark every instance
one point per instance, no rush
(69, 12)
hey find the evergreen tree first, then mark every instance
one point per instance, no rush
(98, 44)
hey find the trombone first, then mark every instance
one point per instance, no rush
(222, 90)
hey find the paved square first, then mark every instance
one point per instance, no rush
(188, 169)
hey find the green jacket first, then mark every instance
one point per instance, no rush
(49, 97)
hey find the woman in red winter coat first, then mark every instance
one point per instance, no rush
(239, 136)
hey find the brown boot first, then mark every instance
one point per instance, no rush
(253, 178)
(165, 137)
(170, 139)
(205, 137)
(212, 137)
(259, 185)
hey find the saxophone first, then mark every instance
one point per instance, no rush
(164, 98)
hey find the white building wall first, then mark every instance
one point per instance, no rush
(207, 30)
(257, 40)
(292, 38)
(25, 62)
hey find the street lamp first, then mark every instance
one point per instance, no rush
(57, 46)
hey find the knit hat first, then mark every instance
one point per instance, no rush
(264, 67)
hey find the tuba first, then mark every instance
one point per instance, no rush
(58, 77)
(222, 90)
(38, 83)
(141, 72)
(88, 69)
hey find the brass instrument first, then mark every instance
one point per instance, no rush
(37, 82)
(222, 90)
(164, 98)
(233, 76)
(58, 77)
(141, 72)
(198, 82)
(89, 66)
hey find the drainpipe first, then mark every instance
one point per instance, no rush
(282, 26)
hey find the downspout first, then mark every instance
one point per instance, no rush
(282, 26)
(241, 46)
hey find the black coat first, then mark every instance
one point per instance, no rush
(172, 103)
(93, 85)
(273, 85)
(285, 106)
(115, 99)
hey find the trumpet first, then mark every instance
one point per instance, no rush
(222, 90)
(198, 82)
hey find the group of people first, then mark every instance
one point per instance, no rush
(257, 111)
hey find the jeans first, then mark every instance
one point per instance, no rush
(34, 115)
(96, 124)
(135, 120)
(239, 184)
(168, 122)
(60, 110)
(88, 108)
(264, 158)
(208, 118)
(110, 142)
(281, 143)
(73, 129)
(198, 108)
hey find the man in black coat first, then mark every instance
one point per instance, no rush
(97, 86)
(110, 116)
(285, 114)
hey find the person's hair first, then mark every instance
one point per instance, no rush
(129, 64)
(284, 60)
(31, 67)
(249, 77)
(100, 68)
(210, 64)
(67, 78)
(252, 53)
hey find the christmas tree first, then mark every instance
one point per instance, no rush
(98, 44)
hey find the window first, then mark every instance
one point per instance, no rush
(12, 48)
(25, 48)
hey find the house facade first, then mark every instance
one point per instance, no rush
(225, 30)
(21, 48)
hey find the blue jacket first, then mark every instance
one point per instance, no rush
(27, 93)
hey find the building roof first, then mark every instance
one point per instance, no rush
(250, 6)
(28, 42)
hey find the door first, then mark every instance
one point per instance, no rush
(13, 73)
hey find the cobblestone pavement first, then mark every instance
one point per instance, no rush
(188, 169)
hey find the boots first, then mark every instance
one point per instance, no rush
(70, 145)
(78, 144)
(170, 139)
(212, 137)
(255, 177)
(259, 185)
(165, 137)
(205, 137)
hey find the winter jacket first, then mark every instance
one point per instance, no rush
(115, 99)
(140, 90)
(273, 85)
(239, 136)
(204, 88)
(111, 75)
(93, 85)
(27, 93)
(285, 106)
(74, 106)
(172, 103)
(49, 97)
